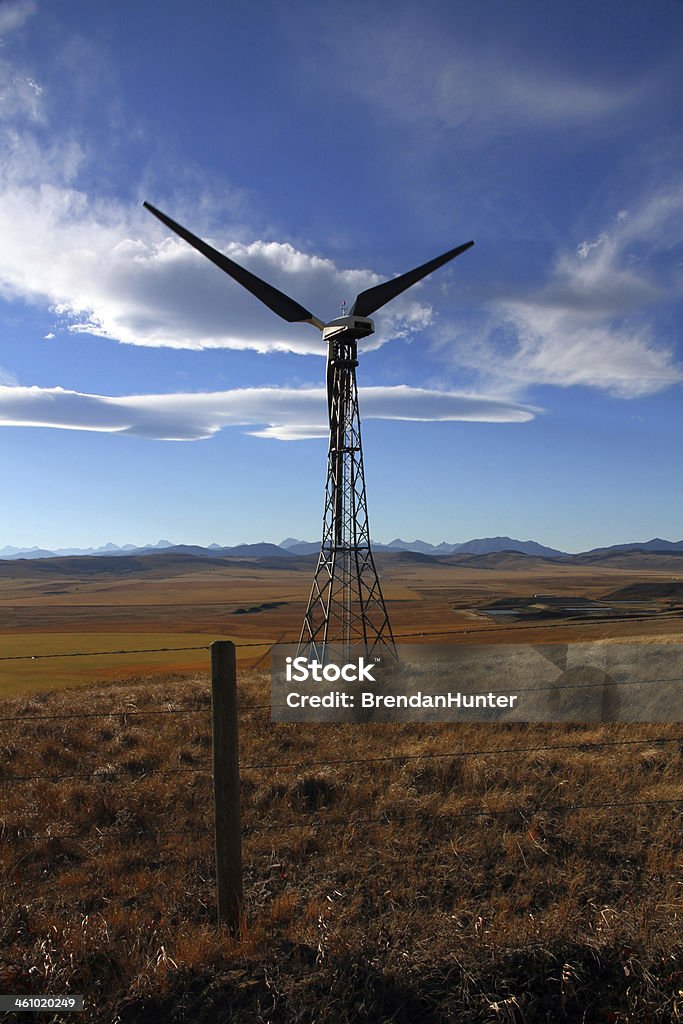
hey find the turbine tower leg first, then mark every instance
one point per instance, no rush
(346, 614)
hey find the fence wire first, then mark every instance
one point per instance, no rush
(461, 631)
(103, 773)
(249, 708)
(106, 773)
(524, 813)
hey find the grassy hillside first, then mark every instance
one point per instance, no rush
(465, 891)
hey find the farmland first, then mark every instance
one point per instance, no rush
(152, 602)
(444, 874)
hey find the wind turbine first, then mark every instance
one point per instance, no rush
(346, 610)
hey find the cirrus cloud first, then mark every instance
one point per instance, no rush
(427, 75)
(13, 14)
(599, 320)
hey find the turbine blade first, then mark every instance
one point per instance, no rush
(373, 298)
(276, 300)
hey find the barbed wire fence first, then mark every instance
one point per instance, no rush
(675, 613)
(226, 773)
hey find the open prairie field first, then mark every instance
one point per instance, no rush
(143, 604)
(418, 874)
(414, 874)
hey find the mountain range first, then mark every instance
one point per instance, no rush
(291, 546)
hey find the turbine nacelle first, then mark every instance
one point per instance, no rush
(354, 326)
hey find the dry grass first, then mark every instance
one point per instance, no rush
(76, 604)
(525, 917)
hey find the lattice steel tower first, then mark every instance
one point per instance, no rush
(346, 609)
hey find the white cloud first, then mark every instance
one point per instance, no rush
(283, 413)
(625, 267)
(584, 250)
(555, 347)
(428, 77)
(112, 271)
(595, 321)
(13, 14)
(20, 95)
(7, 378)
(108, 268)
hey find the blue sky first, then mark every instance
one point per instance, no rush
(531, 388)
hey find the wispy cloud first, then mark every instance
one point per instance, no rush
(20, 93)
(283, 413)
(108, 269)
(13, 14)
(597, 320)
(626, 266)
(564, 349)
(429, 77)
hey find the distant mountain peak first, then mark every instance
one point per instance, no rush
(656, 544)
(423, 547)
(492, 545)
(289, 542)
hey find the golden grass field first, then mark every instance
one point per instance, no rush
(452, 882)
(458, 880)
(65, 610)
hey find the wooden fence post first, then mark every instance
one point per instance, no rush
(226, 785)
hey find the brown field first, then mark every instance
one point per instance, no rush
(458, 879)
(104, 604)
(425, 888)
